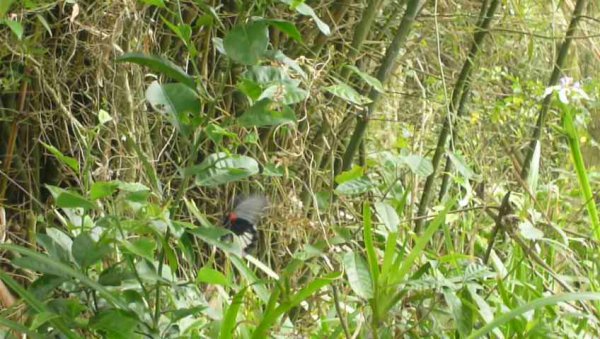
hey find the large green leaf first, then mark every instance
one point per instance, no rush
(348, 93)
(286, 27)
(222, 168)
(177, 101)
(355, 186)
(305, 9)
(387, 214)
(67, 199)
(372, 81)
(86, 251)
(160, 65)
(246, 44)
(358, 274)
(418, 165)
(263, 114)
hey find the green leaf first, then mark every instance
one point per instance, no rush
(15, 27)
(56, 243)
(246, 44)
(160, 65)
(534, 169)
(354, 173)
(61, 269)
(305, 9)
(533, 305)
(33, 302)
(42, 318)
(114, 276)
(271, 317)
(210, 276)
(462, 166)
(286, 27)
(143, 247)
(216, 133)
(355, 186)
(530, 232)
(116, 323)
(71, 162)
(348, 93)
(102, 189)
(222, 168)
(103, 117)
(157, 3)
(387, 214)
(418, 165)
(358, 274)
(261, 114)
(178, 102)
(66, 199)
(5, 6)
(272, 170)
(86, 251)
(230, 319)
(213, 236)
(73, 200)
(372, 81)
(44, 23)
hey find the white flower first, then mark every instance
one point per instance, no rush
(567, 88)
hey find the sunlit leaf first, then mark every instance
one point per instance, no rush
(358, 274)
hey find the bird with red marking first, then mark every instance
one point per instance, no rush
(242, 221)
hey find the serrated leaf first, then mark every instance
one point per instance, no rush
(348, 93)
(246, 44)
(358, 274)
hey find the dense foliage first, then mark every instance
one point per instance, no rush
(431, 167)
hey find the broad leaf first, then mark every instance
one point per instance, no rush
(355, 186)
(221, 168)
(263, 113)
(71, 162)
(348, 93)
(246, 44)
(86, 251)
(160, 65)
(358, 274)
(177, 101)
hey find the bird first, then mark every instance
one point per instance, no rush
(244, 217)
